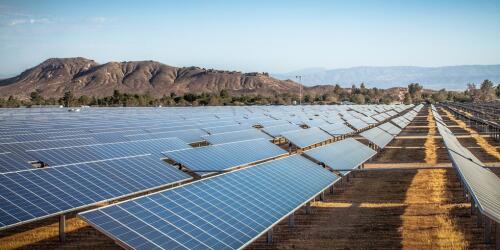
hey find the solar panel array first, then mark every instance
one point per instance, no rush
(102, 154)
(241, 135)
(377, 136)
(224, 212)
(35, 194)
(225, 156)
(481, 183)
(337, 129)
(95, 152)
(390, 128)
(344, 154)
(306, 137)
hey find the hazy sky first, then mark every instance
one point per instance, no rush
(273, 36)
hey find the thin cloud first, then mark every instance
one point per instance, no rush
(29, 21)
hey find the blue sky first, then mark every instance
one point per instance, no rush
(272, 36)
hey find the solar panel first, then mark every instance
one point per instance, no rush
(225, 156)
(482, 184)
(276, 131)
(241, 135)
(358, 124)
(337, 129)
(227, 211)
(400, 121)
(88, 153)
(188, 136)
(378, 136)
(306, 137)
(344, 154)
(389, 128)
(224, 129)
(30, 195)
(368, 120)
(10, 161)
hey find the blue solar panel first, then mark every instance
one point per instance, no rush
(188, 136)
(275, 131)
(225, 156)
(378, 136)
(31, 195)
(87, 153)
(344, 154)
(242, 135)
(306, 137)
(390, 128)
(357, 123)
(336, 129)
(228, 211)
(10, 161)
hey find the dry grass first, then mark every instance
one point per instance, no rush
(483, 143)
(427, 220)
(430, 142)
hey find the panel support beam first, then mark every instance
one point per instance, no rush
(487, 229)
(270, 236)
(322, 196)
(308, 208)
(497, 236)
(62, 227)
(291, 220)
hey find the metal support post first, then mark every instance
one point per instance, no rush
(291, 220)
(270, 236)
(62, 226)
(308, 208)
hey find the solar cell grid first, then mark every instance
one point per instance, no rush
(225, 156)
(378, 136)
(344, 154)
(242, 135)
(30, 195)
(306, 137)
(224, 212)
(88, 153)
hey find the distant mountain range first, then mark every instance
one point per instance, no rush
(450, 77)
(83, 76)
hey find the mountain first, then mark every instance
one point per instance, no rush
(450, 77)
(86, 77)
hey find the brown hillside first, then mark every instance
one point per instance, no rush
(86, 77)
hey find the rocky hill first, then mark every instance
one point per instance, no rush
(82, 76)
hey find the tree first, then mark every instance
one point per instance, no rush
(224, 93)
(358, 99)
(190, 97)
(68, 98)
(407, 99)
(487, 91)
(307, 98)
(415, 91)
(498, 90)
(36, 97)
(362, 88)
(337, 89)
(473, 92)
(440, 96)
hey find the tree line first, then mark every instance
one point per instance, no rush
(487, 91)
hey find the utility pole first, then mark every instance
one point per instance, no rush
(300, 89)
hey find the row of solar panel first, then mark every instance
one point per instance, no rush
(481, 183)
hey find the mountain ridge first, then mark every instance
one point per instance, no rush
(84, 76)
(449, 77)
